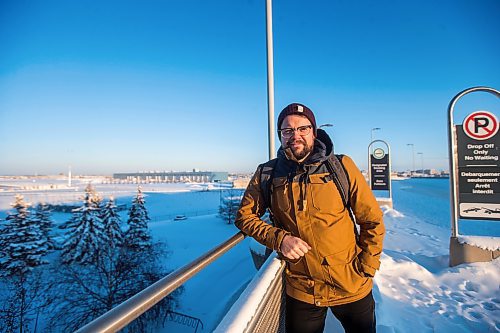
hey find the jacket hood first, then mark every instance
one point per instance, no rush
(323, 148)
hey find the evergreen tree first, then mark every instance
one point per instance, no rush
(84, 234)
(95, 198)
(22, 241)
(41, 217)
(111, 223)
(127, 264)
(137, 236)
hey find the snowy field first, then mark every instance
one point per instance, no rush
(415, 289)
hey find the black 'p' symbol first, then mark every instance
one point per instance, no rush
(480, 122)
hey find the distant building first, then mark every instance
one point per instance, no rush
(241, 182)
(172, 176)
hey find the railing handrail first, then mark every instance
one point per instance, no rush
(120, 316)
(251, 310)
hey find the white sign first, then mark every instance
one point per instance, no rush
(480, 210)
(378, 153)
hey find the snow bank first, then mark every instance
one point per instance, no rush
(482, 242)
(416, 291)
(390, 211)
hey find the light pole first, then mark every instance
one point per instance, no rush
(270, 77)
(325, 125)
(421, 162)
(412, 157)
(371, 133)
(371, 137)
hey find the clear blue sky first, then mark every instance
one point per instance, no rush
(117, 86)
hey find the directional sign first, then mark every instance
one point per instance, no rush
(481, 125)
(379, 170)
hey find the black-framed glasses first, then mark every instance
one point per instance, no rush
(302, 130)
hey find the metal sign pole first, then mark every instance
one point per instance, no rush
(453, 153)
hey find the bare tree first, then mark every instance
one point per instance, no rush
(229, 205)
(22, 296)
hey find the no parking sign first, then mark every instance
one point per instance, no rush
(481, 125)
(474, 174)
(478, 167)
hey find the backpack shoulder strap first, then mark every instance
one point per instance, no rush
(266, 179)
(340, 177)
(341, 180)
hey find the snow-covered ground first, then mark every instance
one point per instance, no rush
(415, 289)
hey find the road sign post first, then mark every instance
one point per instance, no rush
(379, 170)
(474, 149)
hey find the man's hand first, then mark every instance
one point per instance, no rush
(293, 247)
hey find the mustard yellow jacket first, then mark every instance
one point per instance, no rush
(340, 266)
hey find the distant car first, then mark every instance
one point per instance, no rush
(180, 218)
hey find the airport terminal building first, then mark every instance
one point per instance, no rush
(172, 176)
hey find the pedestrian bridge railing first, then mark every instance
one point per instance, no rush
(261, 306)
(120, 316)
(259, 309)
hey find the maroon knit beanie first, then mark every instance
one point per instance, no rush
(299, 109)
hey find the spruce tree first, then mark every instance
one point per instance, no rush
(22, 241)
(111, 224)
(137, 236)
(84, 235)
(41, 217)
(119, 272)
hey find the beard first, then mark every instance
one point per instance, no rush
(299, 152)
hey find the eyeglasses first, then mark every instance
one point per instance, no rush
(302, 130)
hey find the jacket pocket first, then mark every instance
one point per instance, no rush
(299, 281)
(325, 195)
(343, 269)
(280, 195)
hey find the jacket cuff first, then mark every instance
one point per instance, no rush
(369, 261)
(368, 271)
(279, 239)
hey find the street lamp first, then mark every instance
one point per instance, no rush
(371, 137)
(412, 157)
(421, 161)
(325, 125)
(371, 133)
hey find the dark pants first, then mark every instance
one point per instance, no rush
(355, 317)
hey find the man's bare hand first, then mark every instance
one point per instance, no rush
(294, 247)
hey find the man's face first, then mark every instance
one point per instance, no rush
(300, 145)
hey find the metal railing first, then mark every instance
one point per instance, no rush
(261, 306)
(123, 314)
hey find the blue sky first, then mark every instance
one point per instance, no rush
(117, 86)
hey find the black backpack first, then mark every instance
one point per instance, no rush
(337, 172)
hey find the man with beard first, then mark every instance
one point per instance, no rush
(330, 264)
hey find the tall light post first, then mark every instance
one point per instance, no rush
(325, 125)
(270, 77)
(412, 157)
(371, 137)
(421, 162)
(371, 133)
